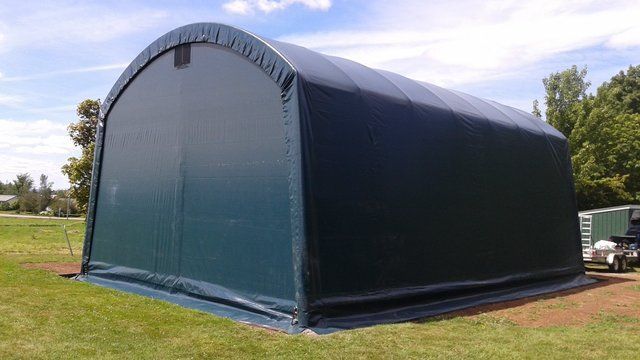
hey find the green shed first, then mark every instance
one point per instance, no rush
(599, 224)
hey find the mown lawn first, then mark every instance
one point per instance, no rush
(46, 316)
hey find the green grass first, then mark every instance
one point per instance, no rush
(40, 239)
(46, 316)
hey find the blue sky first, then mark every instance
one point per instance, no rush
(55, 54)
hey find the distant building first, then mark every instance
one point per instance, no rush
(8, 199)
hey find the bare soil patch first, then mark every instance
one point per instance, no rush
(614, 294)
(62, 269)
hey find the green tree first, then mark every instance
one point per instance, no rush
(60, 206)
(83, 134)
(44, 192)
(10, 189)
(536, 109)
(606, 143)
(5, 189)
(29, 202)
(621, 95)
(23, 184)
(564, 93)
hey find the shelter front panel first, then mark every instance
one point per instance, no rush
(193, 192)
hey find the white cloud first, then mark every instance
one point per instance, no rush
(71, 108)
(625, 39)
(35, 137)
(36, 147)
(10, 100)
(60, 23)
(16, 164)
(65, 72)
(239, 7)
(246, 7)
(466, 42)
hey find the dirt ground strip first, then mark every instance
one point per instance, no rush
(614, 294)
(62, 269)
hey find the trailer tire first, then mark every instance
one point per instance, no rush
(623, 264)
(615, 264)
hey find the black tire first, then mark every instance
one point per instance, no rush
(623, 264)
(615, 266)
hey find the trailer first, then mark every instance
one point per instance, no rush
(617, 257)
(602, 236)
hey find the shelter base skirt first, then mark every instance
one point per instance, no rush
(328, 324)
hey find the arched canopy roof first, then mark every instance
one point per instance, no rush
(249, 45)
(283, 61)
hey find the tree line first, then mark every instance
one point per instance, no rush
(603, 130)
(36, 199)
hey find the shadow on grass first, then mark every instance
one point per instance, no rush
(605, 269)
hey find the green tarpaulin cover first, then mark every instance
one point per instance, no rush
(272, 184)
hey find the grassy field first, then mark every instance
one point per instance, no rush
(45, 316)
